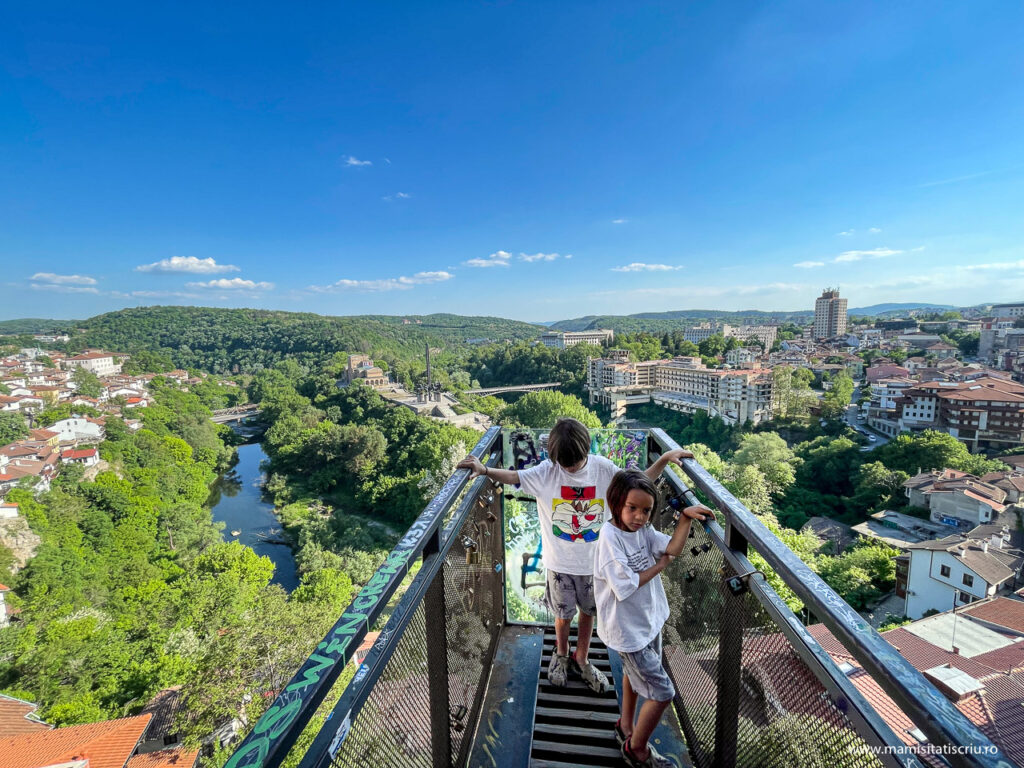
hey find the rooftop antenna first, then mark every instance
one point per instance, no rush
(952, 641)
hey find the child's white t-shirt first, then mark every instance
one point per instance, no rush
(629, 616)
(571, 507)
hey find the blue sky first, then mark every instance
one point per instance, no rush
(536, 161)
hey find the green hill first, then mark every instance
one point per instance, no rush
(246, 340)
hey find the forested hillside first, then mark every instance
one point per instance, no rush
(248, 340)
(659, 322)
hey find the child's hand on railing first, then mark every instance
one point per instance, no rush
(698, 512)
(676, 457)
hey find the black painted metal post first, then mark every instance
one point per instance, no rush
(437, 661)
(730, 664)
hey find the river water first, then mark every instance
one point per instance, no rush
(237, 501)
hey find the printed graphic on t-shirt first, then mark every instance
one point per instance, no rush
(577, 515)
(639, 560)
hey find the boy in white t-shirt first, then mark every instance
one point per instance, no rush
(632, 607)
(570, 490)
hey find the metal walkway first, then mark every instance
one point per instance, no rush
(573, 727)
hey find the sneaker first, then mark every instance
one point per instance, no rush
(620, 735)
(558, 670)
(591, 675)
(654, 760)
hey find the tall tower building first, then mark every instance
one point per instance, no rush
(829, 315)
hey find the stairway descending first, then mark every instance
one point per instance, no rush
(573, 727)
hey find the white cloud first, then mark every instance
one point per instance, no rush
(874, 253)
(847, 233)
(355, 161)
(191, 264)
(396, 196)
(63, 288)
(809, 264)
(496, 259)
(530, 257)
(620, 221)
(385, 284)
(637, 266)
(234, 284)
(49, 277)
(874, 231)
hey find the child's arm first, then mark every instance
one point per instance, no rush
(476, 467)
(682, 531)
(669, 457)
(654, 570)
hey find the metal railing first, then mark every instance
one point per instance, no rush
(743, 660)
(754, 686)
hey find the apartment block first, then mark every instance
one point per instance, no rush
(766, 334)
(829, 315)
(983, 413)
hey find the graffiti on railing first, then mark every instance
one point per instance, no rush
(334, 649)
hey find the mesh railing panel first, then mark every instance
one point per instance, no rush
(401, 700)
(786, 718)
(474, 610)
(394, 726)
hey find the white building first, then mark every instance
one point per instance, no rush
(100, 363)
(766, 334)
(566, 339)
(955, 571)
(695, 334)
(78, 429)
(743, 357)
(1008, 310)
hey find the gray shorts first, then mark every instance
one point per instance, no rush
(566, 591)
(647, 674)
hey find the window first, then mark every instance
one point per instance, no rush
(968, 580)
(964, 598)
(944, 570)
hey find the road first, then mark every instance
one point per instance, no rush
(861, 426)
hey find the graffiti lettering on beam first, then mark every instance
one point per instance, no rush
(276, 720)
(286, 707)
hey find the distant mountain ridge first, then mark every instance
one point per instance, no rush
(659, 322)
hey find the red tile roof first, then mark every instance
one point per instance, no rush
(1002, 611)
(84, 453)
(17, 716)
(107, 744)
(165, 758)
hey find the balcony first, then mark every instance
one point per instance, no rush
(456, 676)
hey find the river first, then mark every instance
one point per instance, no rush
(237, 501)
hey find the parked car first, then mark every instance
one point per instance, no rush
(872, 438)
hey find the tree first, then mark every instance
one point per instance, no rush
(12, 427)
(541, 410)
(879, 487)
(87, 383)
(929, 450)
(770, 454)
(837, 399)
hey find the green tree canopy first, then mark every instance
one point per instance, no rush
(542, 410)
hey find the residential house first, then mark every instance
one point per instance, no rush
(1011, 482)
(884, 371)
(87, 457)
(3, 606)
(18, 716)
(79, 429)
(957, 570)
(106, 744)
(987, 686)
(955, 498)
